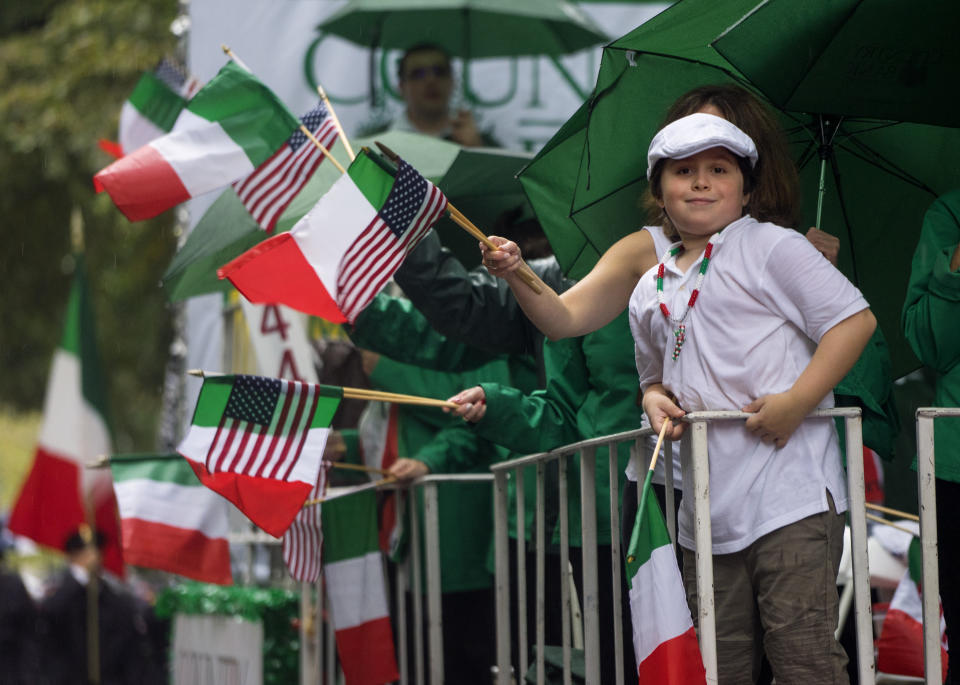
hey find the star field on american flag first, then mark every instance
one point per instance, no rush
(311, 120)
(405, 199)
(253, 399)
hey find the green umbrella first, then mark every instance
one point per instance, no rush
(468, 28)
(883, 174)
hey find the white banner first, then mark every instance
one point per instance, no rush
(523, 99)
(217, 650)
(279, 338)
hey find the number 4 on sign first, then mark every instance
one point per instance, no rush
(272, 322)
(288, 367)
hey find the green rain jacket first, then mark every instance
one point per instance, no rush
(589, 383)
(931, 321)
(446, 445)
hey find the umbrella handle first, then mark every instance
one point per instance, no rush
(821, 190)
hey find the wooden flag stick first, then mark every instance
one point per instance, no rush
(355, 467)
(884, 521)
(893, 512)
(365, 394)
(232, 55)
(656, 450)
(352, 491)
(336, 121)
(526, 275)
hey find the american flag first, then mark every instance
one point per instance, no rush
(263, 427)
(175, 76)
(412, 207)
(304, 538)
(272, 186)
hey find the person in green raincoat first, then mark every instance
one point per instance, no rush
(440, 443)
(931, 322)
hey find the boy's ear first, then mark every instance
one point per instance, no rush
(746, 199)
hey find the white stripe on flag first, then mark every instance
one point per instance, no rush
(183, 506)
(223, 160)
(72, 427)
(360, 595)
(658, 603)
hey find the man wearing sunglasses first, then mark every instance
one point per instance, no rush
(425, 79)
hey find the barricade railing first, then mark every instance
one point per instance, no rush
(695, 440)
(927, 499)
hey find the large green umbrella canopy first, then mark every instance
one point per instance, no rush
(468, 28)
(586, 183)
(884, 59)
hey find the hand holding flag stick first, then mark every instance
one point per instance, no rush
(364, 394)
(458, 217)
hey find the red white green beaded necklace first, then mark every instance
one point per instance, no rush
(679, 332)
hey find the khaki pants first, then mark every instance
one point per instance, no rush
(779, 595)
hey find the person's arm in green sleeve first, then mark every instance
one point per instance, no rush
(393, 327)
(544, 419)
(471, 306)
(932, 306)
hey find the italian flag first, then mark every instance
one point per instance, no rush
(664, 639)
(259, 442)
(342, 253)
(60, 492)
(169, 520)
(154, 105)
(232, 125)
(900, 647)
(353, 569)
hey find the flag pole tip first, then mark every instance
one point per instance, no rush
(387, 151)
(195, 372)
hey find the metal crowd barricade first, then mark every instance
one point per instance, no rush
(586, 450)
(410, 577)
(927, 496)
(695, 440)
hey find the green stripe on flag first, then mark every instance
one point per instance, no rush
(248, 111)
(649, 531)
(167, 468)
(329, 400)
(155, 101)
(349, 527)
(79, 339)
(213, 400)
(372, 180)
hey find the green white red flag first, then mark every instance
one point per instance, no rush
(60, 493)
(169, 520)
(232, 125)
(259, 442)
(154, 105)
(353, 570)
(342, 253)
(664, 639)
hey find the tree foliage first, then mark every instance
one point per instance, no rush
(65, 70)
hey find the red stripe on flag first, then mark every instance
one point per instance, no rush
(141, 184)
(49, 508)
(303, 434)
(255, 466)
(254, 274)
(675, 662)
(366, 653)
(187, 552)
(270, 504)
(291, 432)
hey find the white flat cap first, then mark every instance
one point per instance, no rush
(695, 133)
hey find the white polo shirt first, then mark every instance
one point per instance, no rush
(766, 300)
